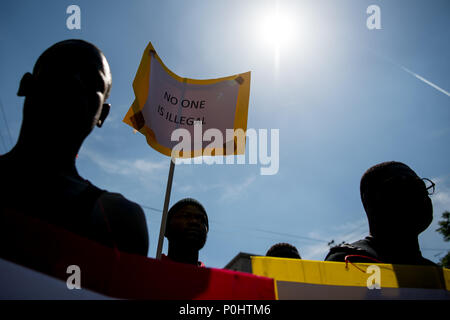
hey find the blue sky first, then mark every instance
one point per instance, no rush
(339, 97)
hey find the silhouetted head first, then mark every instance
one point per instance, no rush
(283, 250)
(187, 224)
(396, 200)
(66, 93)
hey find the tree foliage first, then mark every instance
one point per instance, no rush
(444, 229)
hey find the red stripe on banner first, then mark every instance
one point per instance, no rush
(49, 249)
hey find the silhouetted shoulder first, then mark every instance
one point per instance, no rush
(359, 250)
(336, 254)
(426, 262)
(124, 221)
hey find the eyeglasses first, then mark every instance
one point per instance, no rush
(404, 183)
(429, 186)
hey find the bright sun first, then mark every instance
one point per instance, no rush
(278, 28)
(278, 31)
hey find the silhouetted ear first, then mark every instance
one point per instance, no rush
(166, 232)
(105, 111)
(25, 85)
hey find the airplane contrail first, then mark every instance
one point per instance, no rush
(426, 81)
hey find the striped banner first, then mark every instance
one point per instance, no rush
(304, 279)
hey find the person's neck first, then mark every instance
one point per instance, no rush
(46, 158)
(183, 254)
(409, 244)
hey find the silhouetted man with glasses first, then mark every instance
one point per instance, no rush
(64, 100)
(398, 209)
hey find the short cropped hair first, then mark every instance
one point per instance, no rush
(373, 178)
(66, 52)
(283, 250)
(66, 56)
(186, 202)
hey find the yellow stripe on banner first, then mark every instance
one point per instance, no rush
(140, 85)
(130, 113)
(240, 119)
(447, 278)
(188, 80)
(151, 140)
(241, 115)
(338, 274)
(142, 79)
(275, 288)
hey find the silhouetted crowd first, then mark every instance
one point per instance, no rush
(65, 98)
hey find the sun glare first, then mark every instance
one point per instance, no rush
(278, 32)
(277, 29)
